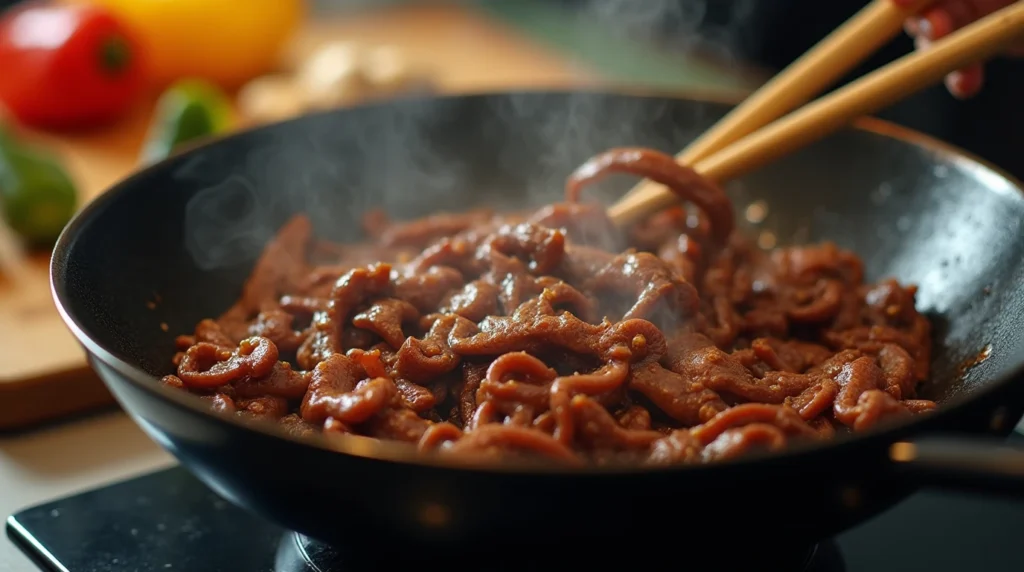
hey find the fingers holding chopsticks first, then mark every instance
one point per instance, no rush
(944, 17)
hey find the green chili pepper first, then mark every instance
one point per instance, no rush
(188, 110)
(37, 196)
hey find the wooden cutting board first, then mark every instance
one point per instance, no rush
(43, 372)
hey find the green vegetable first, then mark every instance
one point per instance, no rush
(188, 110)
(37, 196)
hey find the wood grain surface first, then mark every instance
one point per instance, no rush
(43, 372)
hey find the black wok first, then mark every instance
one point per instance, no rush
(184, 234)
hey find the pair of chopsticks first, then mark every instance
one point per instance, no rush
(753, 134)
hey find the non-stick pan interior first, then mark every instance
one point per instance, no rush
(172, 245)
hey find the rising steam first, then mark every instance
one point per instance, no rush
(401, 157)
(711, 27)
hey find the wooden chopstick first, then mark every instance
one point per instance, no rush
(821, 66)
(905, 76)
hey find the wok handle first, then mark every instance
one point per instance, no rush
(970, 464)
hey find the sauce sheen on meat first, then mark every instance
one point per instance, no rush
(554, 335)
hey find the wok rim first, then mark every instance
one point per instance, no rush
(368, 449)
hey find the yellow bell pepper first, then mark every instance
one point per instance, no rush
(226, 42)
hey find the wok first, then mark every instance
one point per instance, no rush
(173, 243)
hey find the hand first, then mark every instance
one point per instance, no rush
(943, 17)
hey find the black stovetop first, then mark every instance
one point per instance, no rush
(169, 521)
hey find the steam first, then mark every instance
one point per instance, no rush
(568, 134)
(332, 171)
(422, 156)
(215, 219)
(639, 20)
(710, 27)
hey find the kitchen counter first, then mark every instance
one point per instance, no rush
(75, 455)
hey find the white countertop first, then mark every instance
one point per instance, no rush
(74, 455)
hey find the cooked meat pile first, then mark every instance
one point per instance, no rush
(555, 335)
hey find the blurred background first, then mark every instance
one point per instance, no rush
(91, 90)
(708, 46)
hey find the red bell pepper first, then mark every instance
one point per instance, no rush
(67, 66)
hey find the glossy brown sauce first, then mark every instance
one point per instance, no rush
(555, 335)
(973, 361)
